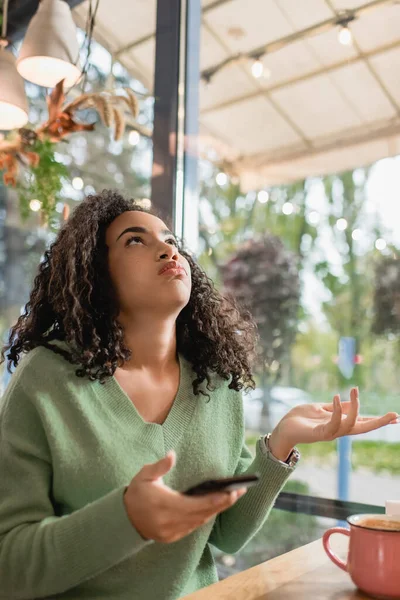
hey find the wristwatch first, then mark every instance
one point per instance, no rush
(291, 460)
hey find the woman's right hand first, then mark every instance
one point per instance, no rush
(163, 515)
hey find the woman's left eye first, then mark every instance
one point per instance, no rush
(172, 241)
(133, 239)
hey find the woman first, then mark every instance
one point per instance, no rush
(130, 394)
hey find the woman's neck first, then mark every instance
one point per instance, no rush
(152, 343)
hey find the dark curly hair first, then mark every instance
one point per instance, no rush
(73, 300)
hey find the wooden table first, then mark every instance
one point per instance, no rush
(303, 574)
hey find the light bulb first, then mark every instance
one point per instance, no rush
(313, 217)
(341, 224)
(380, 244)
(77, 183)
(257, 68)
(263, 196)
(222, 178)
(356, 235)
(287, 208)
(345, 36)
(35, 205)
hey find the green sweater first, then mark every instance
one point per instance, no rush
(68, 448)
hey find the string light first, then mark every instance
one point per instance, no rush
(380, 244)
(257, 69)
(356, 235)
(340, 23)
(263, 196)
(287, 208)
(313, 217)
(341, 224)
(345, 36)
(222, 179)
(77, 183)
(35, 205)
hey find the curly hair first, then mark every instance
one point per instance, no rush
(73, 300)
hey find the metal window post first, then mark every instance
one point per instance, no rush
(176, 112)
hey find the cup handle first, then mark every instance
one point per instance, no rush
(325, 540)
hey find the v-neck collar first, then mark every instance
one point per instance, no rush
(113, 396)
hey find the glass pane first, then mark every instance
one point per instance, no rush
(118, 156)
(297, 226)
(281, 533)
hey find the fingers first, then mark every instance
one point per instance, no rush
(332, 428)
(215, 502)
(346, 406)
(366, 424)
(212, 503)
(156, 470)
(351, 419)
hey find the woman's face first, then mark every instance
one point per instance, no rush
(139, 247)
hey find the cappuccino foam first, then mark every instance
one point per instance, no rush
(376, 523)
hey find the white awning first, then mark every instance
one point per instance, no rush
(325, 107)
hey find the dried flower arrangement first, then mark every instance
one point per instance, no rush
(34, 149)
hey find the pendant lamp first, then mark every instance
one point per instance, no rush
(13, 102)
(50, 50)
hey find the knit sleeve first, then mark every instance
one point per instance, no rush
(235, 527)
(42, 554)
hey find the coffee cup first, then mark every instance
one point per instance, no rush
(373, 561)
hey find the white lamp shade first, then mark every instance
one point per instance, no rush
(50, 49)
(13, 102)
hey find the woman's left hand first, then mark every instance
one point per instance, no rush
(311, 423)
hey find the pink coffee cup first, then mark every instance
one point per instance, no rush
(373, 561)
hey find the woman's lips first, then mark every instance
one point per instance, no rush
(174, 271)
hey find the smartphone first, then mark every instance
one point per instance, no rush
(227, 484)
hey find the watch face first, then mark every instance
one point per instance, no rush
(294, 457)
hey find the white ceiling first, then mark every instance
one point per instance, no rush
(325, 108)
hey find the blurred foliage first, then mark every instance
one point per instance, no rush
(387, 296)
(263, 276)
(378, 457)
(282, 532)
(94, 157)
(333, 260)
(43, 183)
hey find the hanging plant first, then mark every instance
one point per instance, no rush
(43, 181)
(42, 176)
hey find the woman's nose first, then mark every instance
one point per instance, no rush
(169, 252)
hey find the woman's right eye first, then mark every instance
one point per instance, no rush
(133, 239)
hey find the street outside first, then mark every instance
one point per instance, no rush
(365, 487)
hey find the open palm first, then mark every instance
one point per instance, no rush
(310, 423)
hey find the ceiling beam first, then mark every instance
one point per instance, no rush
(358, 136)
(370, 68)
(150, 36)
(302, 34)
(305, 77)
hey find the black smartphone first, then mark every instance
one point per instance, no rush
(227, 484)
